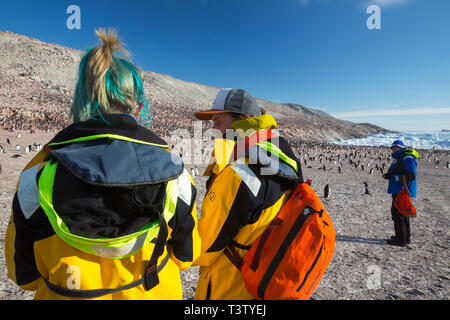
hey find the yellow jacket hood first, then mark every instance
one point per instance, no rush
(265, 121)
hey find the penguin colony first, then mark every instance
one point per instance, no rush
(18, 149)
(369, 160)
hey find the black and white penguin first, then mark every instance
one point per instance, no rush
(366, 188)
(326, 191)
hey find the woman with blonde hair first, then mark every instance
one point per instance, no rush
(103, 211)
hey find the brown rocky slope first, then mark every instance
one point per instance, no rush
(37, 80)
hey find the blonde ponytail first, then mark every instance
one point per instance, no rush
(107, 83)
(102, 61)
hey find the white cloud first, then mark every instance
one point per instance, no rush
(393, 112)
(426, 118)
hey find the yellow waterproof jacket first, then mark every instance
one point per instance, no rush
(92, 228)
(243, 197)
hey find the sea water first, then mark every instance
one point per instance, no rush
(415, 139)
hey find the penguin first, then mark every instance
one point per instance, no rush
(326, 191)
(371, 171)
(17, 147)
(366, 188)
(339, 169)
(16, 156)
(8, 141)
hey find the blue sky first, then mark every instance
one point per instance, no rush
(317, 53)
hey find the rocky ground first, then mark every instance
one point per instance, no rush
(363, 266)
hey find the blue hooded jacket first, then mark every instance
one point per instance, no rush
(408, 166)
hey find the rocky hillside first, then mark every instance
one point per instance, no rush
(37, 80)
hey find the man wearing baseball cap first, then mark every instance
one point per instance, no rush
(231, 105)
(401, 175)
(238, 192)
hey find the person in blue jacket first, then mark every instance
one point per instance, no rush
(402, 175)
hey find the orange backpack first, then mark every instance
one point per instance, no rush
(403, 205)
(289, 259)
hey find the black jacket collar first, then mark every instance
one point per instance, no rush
(119, 124)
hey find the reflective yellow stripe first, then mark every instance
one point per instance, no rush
(273, 149)
(115, 248)
(113, 136)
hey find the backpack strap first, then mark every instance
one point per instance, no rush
(96, 293)
(240, 246)
(151, 273)
(398, 164)
(234, 257)
(150, 278)
(262, 241)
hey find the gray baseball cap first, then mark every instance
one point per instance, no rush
(231, 100)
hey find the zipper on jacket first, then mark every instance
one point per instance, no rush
(312, 266)
(283, 249)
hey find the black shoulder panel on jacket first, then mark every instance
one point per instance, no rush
(182, 224)
(119, 124)
(28, 231)
(244, 205)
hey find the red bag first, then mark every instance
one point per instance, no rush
(403, 205)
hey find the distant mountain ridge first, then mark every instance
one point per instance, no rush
(37, 81)
(308, 110)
